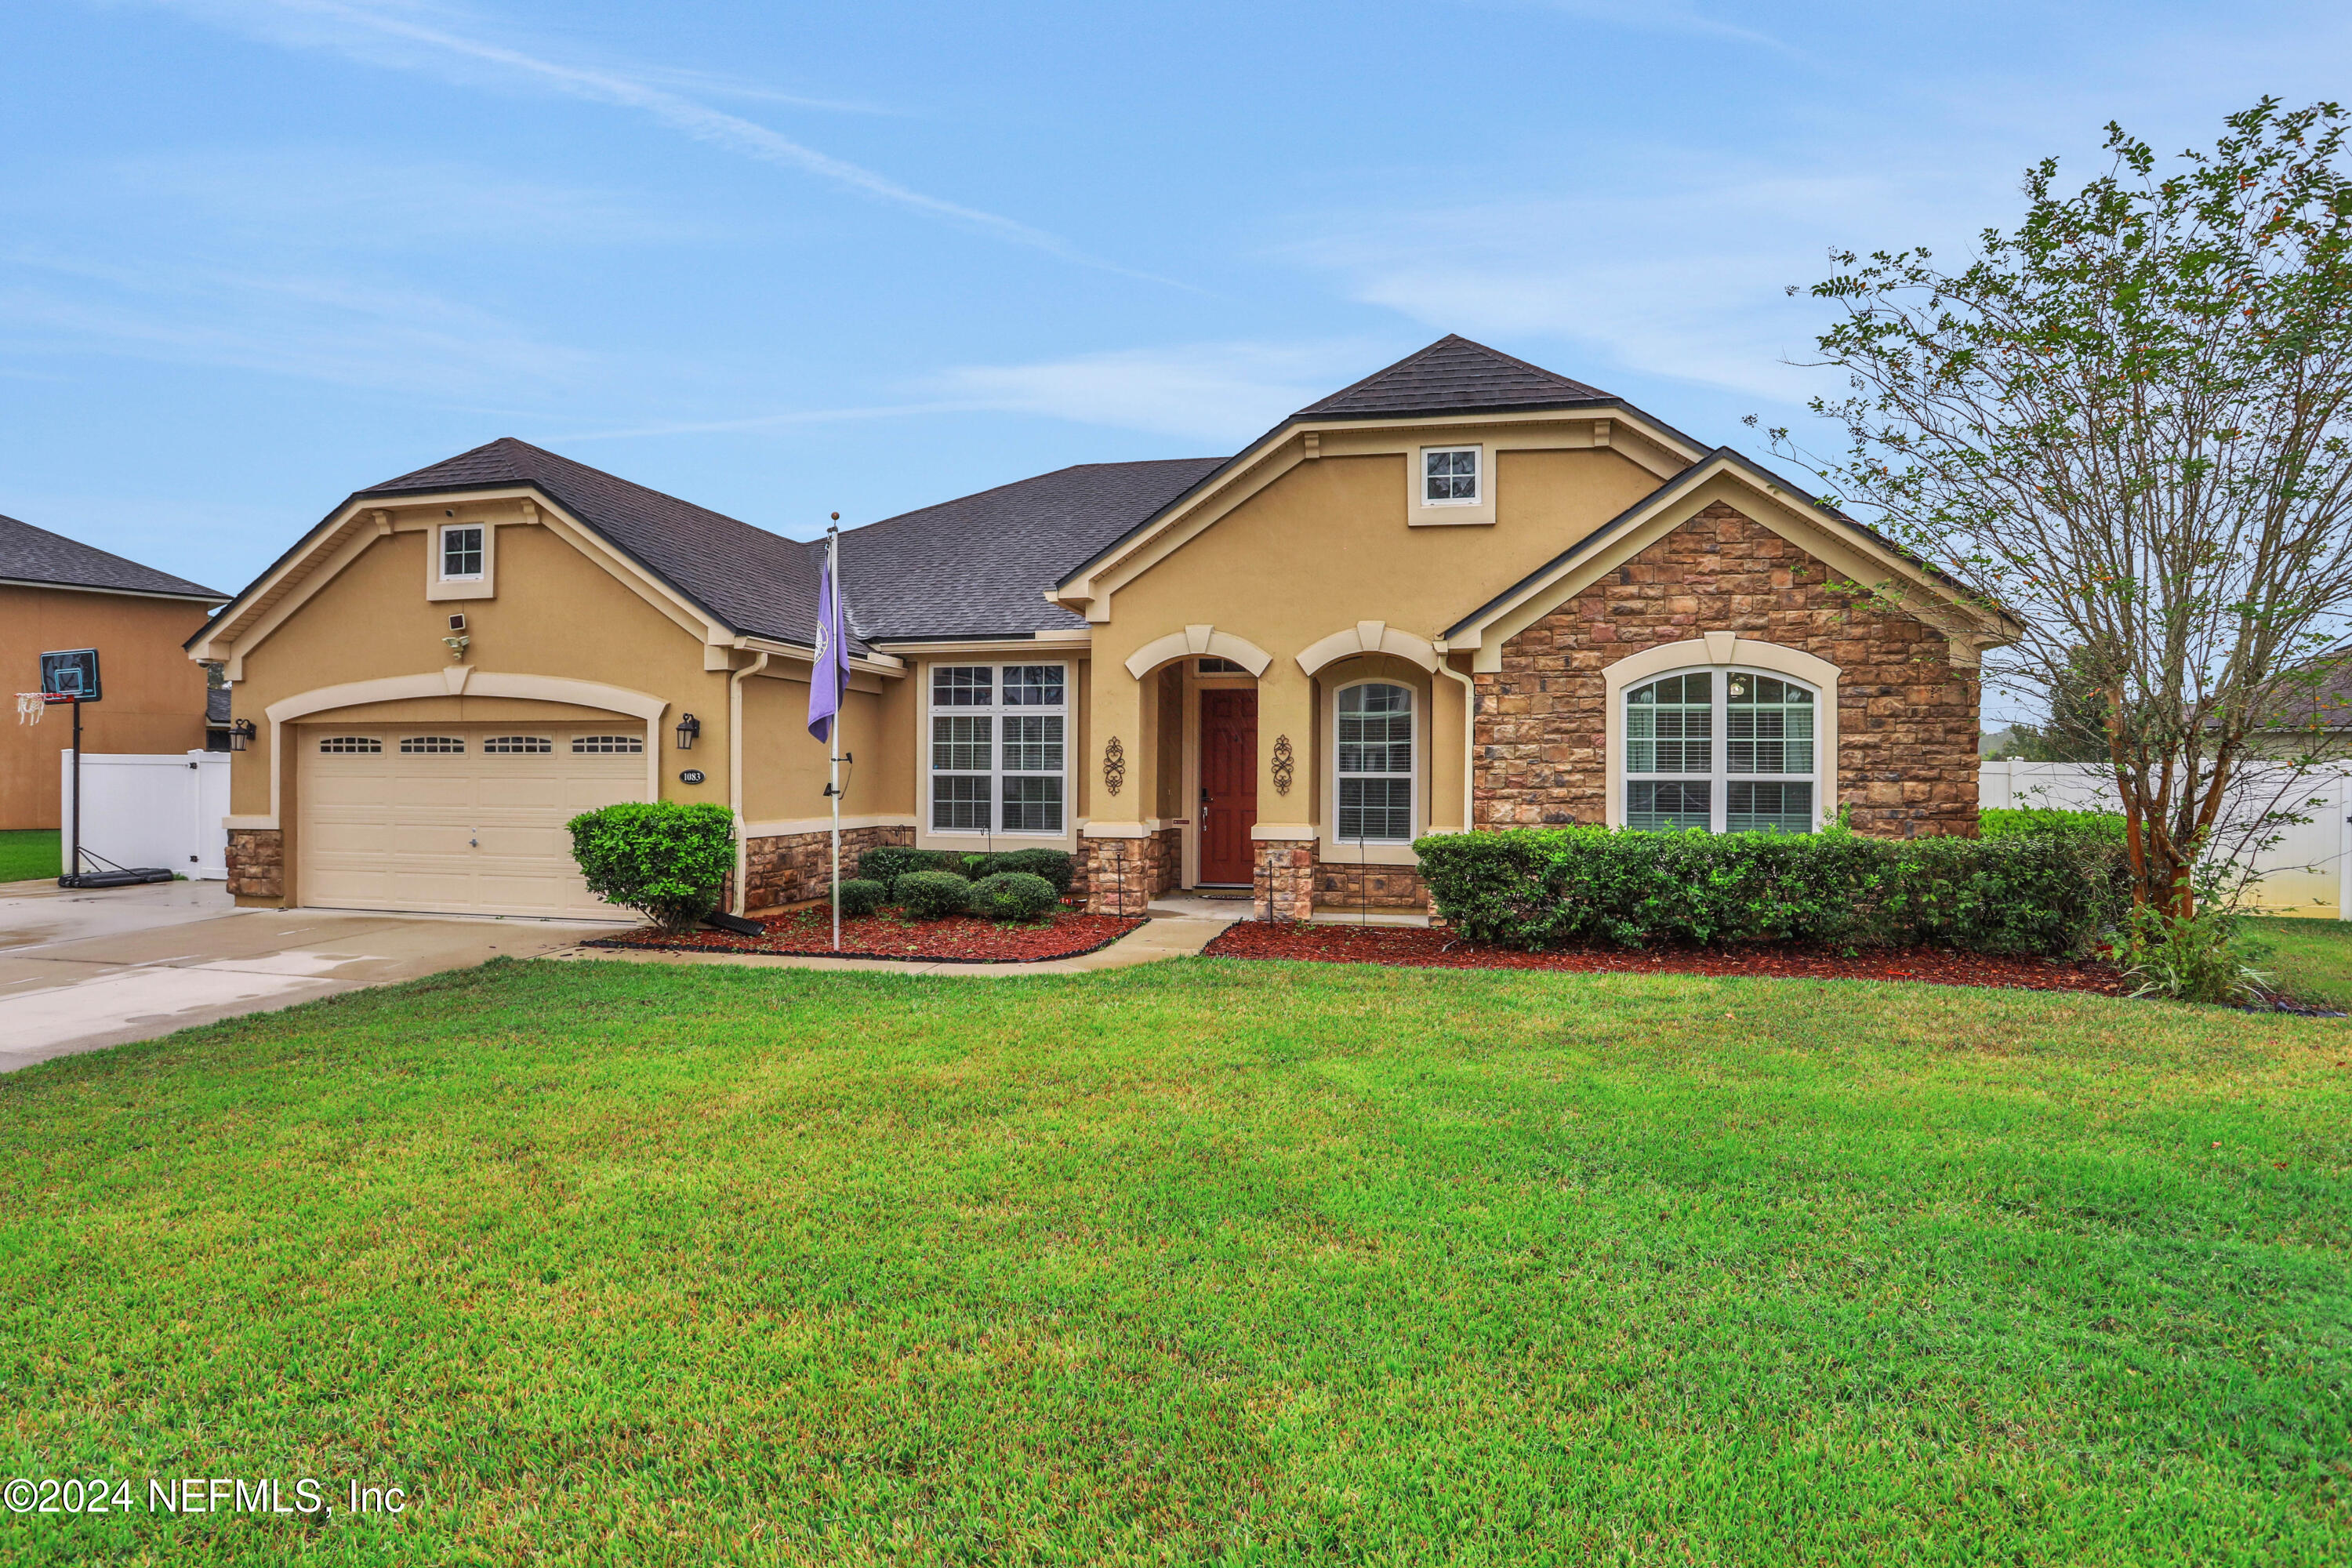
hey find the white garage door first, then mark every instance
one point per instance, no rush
(458, 819)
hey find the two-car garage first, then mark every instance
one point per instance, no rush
(454, 817)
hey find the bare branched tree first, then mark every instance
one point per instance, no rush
(2127, 421)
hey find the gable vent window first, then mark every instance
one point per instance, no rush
(533, 744)
(461, 552)
(1449, 475)
(582, 744)
(1375, 760)
(335, 743)
(415, 744)
(999, 748)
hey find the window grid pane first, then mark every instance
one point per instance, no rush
(959, 743)
(1451, 476)
(1033, 743)
(1032, 686)
(1379, 810)
(1768, 808)
(961, 685)
(960, 803)
(1662, 807)
(1033, 805)
(461, 552)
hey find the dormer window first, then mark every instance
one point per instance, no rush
(1449, 475)
(461, 552)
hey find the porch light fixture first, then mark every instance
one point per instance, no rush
(689, 726)
(240, 734)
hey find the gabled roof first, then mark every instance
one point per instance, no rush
(29, 555)
(977, 566)
(1454, 376)
(759, 583)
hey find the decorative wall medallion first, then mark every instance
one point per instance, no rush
(1284, 763)
(1114, 765)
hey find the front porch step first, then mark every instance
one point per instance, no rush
(1339, 917)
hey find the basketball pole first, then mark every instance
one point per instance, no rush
(74, 866)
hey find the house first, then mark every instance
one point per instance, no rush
(56, 592)
(1464, 592)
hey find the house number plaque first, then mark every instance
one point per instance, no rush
(691, 775)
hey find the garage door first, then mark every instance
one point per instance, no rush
(458, 819)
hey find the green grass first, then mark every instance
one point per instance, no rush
(29, 852)
(2309, 960)
(1204, 1261)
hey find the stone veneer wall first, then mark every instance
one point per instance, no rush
(1907, 719)
(257, 862)
(1341, 884)
(1282, 888)
(793, 868)
(1127, 874)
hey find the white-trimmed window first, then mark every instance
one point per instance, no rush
(1374, 759)
(364, 744)
(999, 747)
(523, 745)
(461, 552)
(583, 745)
(1449, 475)
(413, 744)
(1730, 751)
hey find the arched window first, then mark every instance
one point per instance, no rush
(1731, 751)
(1375, 764)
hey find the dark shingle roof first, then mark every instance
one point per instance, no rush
(980, 566)
(758, 583)
(1454, 376)
(29, 555)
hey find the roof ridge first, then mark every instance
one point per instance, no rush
(1454, 374)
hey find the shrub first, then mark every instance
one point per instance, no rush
(892, 861)
(2047, 893)
(1053, 865)
(2009, 823)
(2200, 959)
(664, 859)
(860, 898)
(1013, 896)
(931, 895)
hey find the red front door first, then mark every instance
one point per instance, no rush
(1228, 785)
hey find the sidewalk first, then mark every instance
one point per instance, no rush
(1161, 937)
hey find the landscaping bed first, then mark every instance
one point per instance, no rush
(1439, 949)
(960, 938)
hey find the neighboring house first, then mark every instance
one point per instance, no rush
(58, 593)
(1464, 592)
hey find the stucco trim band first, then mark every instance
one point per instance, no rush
(1198, 642)
(1368, 636)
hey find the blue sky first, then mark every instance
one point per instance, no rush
(785, 260)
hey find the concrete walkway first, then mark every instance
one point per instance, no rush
(1162, 937)
(85, 968)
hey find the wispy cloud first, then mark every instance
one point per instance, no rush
(400, 36)
(1684, 20)
(1220, 394)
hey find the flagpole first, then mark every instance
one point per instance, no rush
(832, 737)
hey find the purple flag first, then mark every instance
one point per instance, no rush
(831, 671)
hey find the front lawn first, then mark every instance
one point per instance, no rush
(29, 852)
(1201, 1261)
(2309, 960)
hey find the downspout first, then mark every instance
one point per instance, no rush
(1469, 739)
(735, 781)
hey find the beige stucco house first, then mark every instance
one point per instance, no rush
(1464, 592)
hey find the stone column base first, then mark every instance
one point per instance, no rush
(257, 862)
(1284, 885)
(1122, 875)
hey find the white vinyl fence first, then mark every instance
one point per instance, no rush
(2302, 874)
(152, 810)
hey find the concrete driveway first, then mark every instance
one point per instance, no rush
(83, 969)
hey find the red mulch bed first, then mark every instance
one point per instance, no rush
(962, 938)
(1438, 948)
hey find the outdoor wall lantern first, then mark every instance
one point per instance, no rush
(240, 734)
(689, 726)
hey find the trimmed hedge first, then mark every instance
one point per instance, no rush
(1053, 865)
(2046, 893)
(2011, 821)
(860, 898)
(931, 895)
(664, 859)
(1013, 896)
(892, 861)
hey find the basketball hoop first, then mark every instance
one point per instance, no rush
(31, 704)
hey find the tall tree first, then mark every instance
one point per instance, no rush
(2129, 420)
